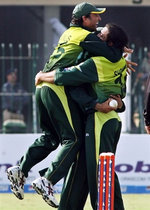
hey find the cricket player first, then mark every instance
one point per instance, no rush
(102, 129)
(147, 107)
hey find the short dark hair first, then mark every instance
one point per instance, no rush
(78, 21)
(117, 36)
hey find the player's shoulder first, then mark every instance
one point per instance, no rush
(78, 29)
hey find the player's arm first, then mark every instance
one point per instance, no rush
(96, 47)
(66, 78)
(85, 72)
(44, 77)
(72, 76)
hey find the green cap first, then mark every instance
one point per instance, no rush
(85, 8)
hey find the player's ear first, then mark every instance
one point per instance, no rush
(84, 18)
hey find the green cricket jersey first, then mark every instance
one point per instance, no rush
(68, 49)
(71, 44)
(106, 77)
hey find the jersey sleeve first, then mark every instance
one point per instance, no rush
(85, 72)
(96, 47)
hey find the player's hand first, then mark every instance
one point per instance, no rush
(127, 50)
(129, 63)
(147, 128)
(118, 99)
(104, 107)
(129, 66)
(38, 78)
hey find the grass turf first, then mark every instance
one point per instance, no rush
(35, 202)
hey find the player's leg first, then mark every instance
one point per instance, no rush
(75, 188)
(45, 144)
(106, 142)
(38, 151)
(109, 141)
(68, 125)
(90, 145)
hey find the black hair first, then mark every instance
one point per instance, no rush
(117, 36)
(78, 21)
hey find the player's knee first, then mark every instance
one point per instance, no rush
(51, 142)
(46, 141)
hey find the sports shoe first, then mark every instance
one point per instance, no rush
(43, 187)
(17, 181)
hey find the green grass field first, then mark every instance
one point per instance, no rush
(35, 202)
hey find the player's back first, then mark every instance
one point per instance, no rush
(68, 49)
(111, 78)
